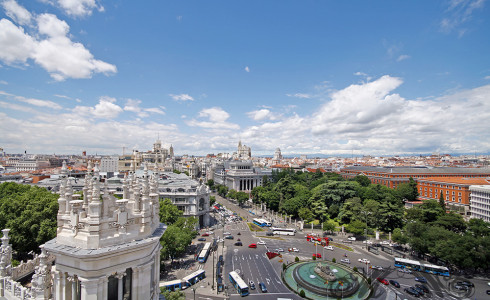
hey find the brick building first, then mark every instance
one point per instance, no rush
(393, 176)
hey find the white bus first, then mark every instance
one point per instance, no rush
(203, 256)
(283, 231)
(262, 223)
(238, 283)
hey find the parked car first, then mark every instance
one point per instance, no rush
(345, 260)
(351, 238)
(419, 290)
(395, 283)
(383, 281)
(367, 242)
(252, 285)
(467, 283)
(260, 243)
(421, 279)
(263, 288)
(252, 246)
(423, 288)
(411, 291)
(385, 243)
(328, 247)
(461, 287)
(403, 270)
(205, 234)
(201, 239)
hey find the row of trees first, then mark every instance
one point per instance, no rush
(30, 212)
(323, 197)
(180, 230)
(430, 230)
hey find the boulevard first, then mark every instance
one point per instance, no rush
(253, 265)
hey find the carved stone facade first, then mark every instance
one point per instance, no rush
(107, 248)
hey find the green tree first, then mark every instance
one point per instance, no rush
(399, 237)
(212, 200)
(356, 227)
(222, 190)
(306, 214)
(232, 194)
(329, 226)
(169, 213)
(271, 198)
(210, 183)
(442, 203)
(351, 210)
(362, 180)
(408, 190)
(241, 197)
(175, 295)
(31, 214)
(176, 171)
(451, 221)
(177, 237)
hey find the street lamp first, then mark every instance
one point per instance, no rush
(194, 290)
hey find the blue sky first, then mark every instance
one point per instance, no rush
(332, 77)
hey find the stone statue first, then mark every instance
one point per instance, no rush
(325, 272)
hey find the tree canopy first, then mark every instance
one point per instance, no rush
(31, 214)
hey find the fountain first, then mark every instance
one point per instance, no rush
(321, 280)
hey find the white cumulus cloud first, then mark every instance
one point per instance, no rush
(261, 114)
(51, 47)
(181, 97)
(403, 57)
(214, 118)
(79, 8)
(19, 14)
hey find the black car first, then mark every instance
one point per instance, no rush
(239, 233)
(461, 287)
(467, 283)
(421, 279)
(263, 289)
(394, 283)
(412, 292)
(201, 239)
(419, 290)
(488, 292)
(269, 234)
(423, 288)
(238, 244)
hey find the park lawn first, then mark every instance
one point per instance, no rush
(341, 246)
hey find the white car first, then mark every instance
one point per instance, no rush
(352, 238)
(227, 233)
(345, 260)
(260, 243)
(364, 261)
(295, 249)
(377, 268)
(328, 247)
(280, 250)
(385, 243)
(367, 242)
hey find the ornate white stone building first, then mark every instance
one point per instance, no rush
(240, 175)
(243, 152)
(107, 248)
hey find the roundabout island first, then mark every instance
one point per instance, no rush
(325, 280)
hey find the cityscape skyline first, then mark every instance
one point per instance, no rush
(309, 78)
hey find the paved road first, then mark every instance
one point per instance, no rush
(252, 264)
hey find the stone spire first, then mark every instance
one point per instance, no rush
(41, 280)
(5, 254)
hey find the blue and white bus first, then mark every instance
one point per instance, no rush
(417, 266)
(203, 256)
(173, 285)
(194, 277)
(182, 284)
(238, 283)
(262, 223)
